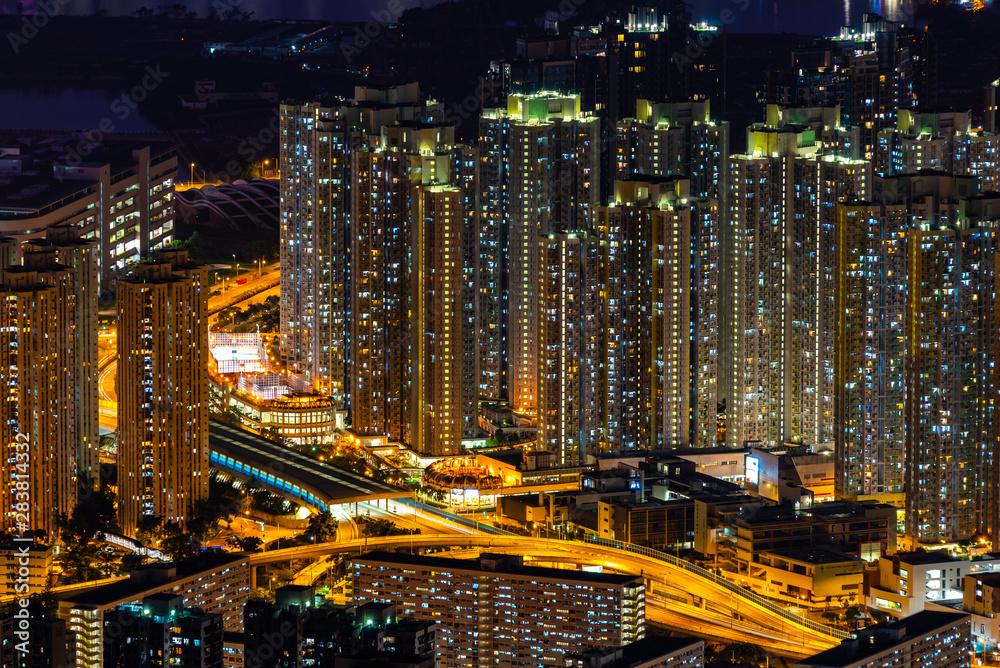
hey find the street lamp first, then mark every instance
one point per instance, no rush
(236, 265)
(192, 173)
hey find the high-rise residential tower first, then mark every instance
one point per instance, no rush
(162, 390)
(314, 265)
(674, 139)
(444, 335)
(570, 344)
(780, 261)
(379, 231)
(870, 343)
(79, 255)
(540, 175)
(661, 309)
(952, 333)
(45, 307)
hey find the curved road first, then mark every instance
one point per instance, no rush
(706, 608)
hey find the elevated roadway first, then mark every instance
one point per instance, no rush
(680, 594)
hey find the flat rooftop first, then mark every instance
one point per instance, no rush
(818, 555)
(641, 651)
(476, 565)
(330, 484)
(153, 576)
(883, 637)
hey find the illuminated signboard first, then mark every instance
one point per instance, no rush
(753, 470)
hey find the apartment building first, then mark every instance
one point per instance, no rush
(929, 638)
(117, 193)
(218, 583)
(496, 610)
(163, 390)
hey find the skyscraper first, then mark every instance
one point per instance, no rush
(314, 263)
(79, 255)
(916, 343)
(372, 253)
(942, 141)
(546, 155)
(952, 330)
(871, 302)
(444, 335)
(46, 312)
(779, 261)
(674, 139)
(570, 345)
(661, 310)
(162, 390)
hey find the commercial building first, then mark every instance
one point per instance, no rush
(217, 583)
(495, 609)
(809, 576)
(116, 192)
(863, 530)
(909, 582)
(163, 390)
(46, 347)
(929, 638)
(160, 632)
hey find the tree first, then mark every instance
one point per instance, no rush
(248, 544)
(853, 614)
(322, 526)
(273, 434)
(94, 514)
(738, 654)
(177, 543)
(149, 529)
(131, 561)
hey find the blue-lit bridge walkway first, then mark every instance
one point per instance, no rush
(290, 473)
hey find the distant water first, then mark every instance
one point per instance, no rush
(67, 109)
(326, 10)
(748, 16)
